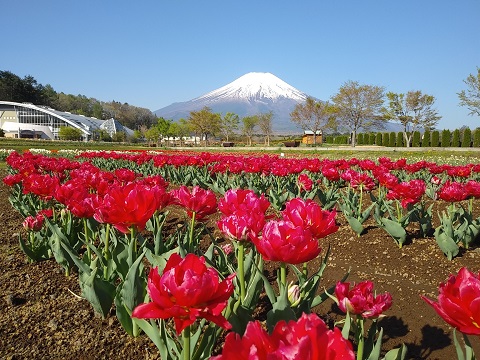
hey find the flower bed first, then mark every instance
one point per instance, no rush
(288, 196)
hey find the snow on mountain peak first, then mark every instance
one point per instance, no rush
(256, 86)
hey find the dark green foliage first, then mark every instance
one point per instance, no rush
(416, 139)
(435, 142)
(455, 138)
(385, 139)
(341, 139)
(467, 137)
(476, 137)
(371, 139)
(426, 138)
(392, 139)
(360, 140)
(446, 138)
(378, 139)
(400, 139)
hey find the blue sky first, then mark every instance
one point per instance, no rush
(153, 53)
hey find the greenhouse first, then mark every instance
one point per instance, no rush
(25, 120)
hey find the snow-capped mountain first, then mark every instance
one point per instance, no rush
(250, 94)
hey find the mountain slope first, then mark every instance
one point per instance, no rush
(251, 94)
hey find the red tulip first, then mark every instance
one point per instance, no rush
(473, 189)
(307, 338)
(452, 191)
(237, 227)
(361, 300)
(331, 173)
(197, 200)
(285, 242)
(310, 215)
(304, 182)
(11, 180)
(43, 186)
(128, 206)
(186, 290)
(459, 302)
(408, 192)
(33, 223)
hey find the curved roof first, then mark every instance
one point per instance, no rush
(84, 123)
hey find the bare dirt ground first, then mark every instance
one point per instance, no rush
(43, 317)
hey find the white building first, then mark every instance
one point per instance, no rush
(25, 120)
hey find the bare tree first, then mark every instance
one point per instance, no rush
(471, 98)
(413, 110)
(359, 107)
(314, 115)
(265, 124)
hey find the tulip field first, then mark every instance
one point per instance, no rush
(189, 255)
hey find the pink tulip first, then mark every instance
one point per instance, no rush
(361, 300)
(283, 241)
(309, 215)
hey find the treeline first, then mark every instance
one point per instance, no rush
(14, 88)
(463, 137)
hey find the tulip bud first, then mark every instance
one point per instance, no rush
(293, 294)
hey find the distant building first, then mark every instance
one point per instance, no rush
(25, 120)
(307, 137)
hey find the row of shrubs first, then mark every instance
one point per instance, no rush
(437, 138)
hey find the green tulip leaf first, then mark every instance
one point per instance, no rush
(446, 243)
(395, 230)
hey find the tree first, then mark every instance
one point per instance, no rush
(413, 110)
(314, 116)
(153, 135)
(180, 129)
(476, 137)
(435, 142)
(119, 136)
(399, 141)
(360, 139)
(456, 138)
(228, 124)
(471, 97)
(385, 139)
(416, 139)
(265, 125)
(466, 137)
(426, 138)
(69, 133)
(446, 137)
(392, 139)
(205, 123)
(249, 125)
(358, 107)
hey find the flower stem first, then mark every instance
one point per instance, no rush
(87, 241)
(106, 251)
(283, 274)
(469, 353)
(359, 337)
(241, 271)
(186, 343)
(133, 237)
(190, 239)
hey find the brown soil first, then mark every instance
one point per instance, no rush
(43, 318)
